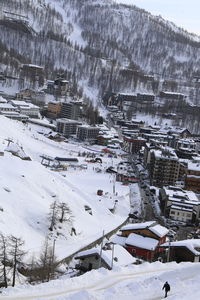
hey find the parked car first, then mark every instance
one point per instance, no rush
(174, 227)
(171, 233)
(181, 223)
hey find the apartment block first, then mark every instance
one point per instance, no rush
(67, 127)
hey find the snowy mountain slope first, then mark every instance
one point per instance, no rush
(143, 282)
(99, 44)
(27, 189)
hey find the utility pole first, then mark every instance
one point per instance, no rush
(168, 253)
(114, 184)
(112, 255)
(101, 250)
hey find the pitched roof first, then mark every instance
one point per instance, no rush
(137, 226)
(189, 244)
(159, 230)
(124, 258)
(141, 242)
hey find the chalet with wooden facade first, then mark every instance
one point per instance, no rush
(142, 246)
(186, 250)
(142, 239)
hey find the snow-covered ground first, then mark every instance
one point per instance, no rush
(142, 282)
(150, 119)
(27, 189)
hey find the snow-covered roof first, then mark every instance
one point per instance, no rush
(2, 100)
(165, 154)
(23, 104)
(88, 127)
(191, 244)
(127, 94)
(176, 207)
(178, 130)
(124, 258)
(137, 226)
(178, 194)
(159, 230)
(68, 121)
(193, 176)
(173, 93)
(194, 166)
(186, 141)
(12, 114)
(6, 105)
(32, 66)
(146, 94)
(117, 239)
(20, 103)
(141, 242)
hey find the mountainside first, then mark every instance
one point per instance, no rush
(28, 190)
(99, 44)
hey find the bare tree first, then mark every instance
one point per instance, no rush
(47, 261)
(33, 271)
(43, 262)
(16, 253)
(3, 257)
(65, 212)
(53, 215)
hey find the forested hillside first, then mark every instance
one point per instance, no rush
(99, 44)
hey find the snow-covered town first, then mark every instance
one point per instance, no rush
(99, 155)
(96, 197)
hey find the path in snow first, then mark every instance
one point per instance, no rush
(100, 285)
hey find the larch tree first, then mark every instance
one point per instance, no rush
(16, 254)
(4, 257)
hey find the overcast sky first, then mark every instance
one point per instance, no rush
(184, 13)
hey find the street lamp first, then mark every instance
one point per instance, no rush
(112, 255)
(114, 179)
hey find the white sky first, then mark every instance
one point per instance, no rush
(184, 13)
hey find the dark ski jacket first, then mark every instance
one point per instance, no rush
(166, 286)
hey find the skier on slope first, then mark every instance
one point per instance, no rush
(166, 286)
